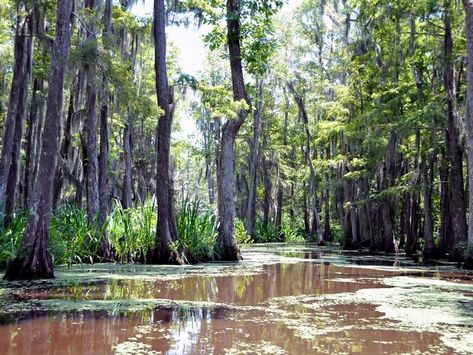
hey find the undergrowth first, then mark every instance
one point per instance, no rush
(132, 233)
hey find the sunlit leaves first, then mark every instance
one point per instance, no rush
(218, 101)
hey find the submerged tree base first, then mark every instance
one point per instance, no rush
(34, 260)
(165, 257)
(468, 264)
(230, 253)
(29, 268)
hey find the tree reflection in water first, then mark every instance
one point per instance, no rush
(297, 306)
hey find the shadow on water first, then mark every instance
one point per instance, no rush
(299, 300)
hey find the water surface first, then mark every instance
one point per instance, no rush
(281, 299)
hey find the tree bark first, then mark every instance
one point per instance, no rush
(268, 189)
(280, 193)
(90, 127)
(32, 143)
(64, 154)
(104, 190)
(166, 231)
(468, 4)
(427, 179)
(446, 219)
(251, 203)
(103, 158)
(454, 149)
(35, 261)
(327, 229)
(226, 203)
(225, 183)
(13, 131)
(127, 190)
(413, 223)
(103, 180)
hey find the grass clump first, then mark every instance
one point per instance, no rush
(242, 237)
(266, 232)
(292, 235)
(132, 231)
(10, 237)
(72, 237)
(197, 230)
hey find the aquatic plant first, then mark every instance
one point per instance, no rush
(132, 231)
(73, 239)
(197, 231)
(266, 232)
(242, 237)
(292, 234)
(10, 236)
(337, 231)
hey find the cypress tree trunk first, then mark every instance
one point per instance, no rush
(327, 230)
(226, 203)
(225, 182)
(446, 231)
(387, 205)
(427, 179)
(103, 158)
(251, 203)
(127, 191)
(468, 4)
(90, 124)
(65, 148)
(306, 211)
(279, 204)
(90, 145)
(32, 143)
(280, 192)
(454, 149)
(35, 261)
(268, 190)
(104, 189)
(167, 231)
(13, 130)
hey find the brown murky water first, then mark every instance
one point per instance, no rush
(286, 299)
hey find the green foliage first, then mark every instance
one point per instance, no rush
(292, 235)
(197, 231)
(10, 237)
(132, 231)
(242, 237)
(266, 232)
(338, 232)
(72, 238)
(256, 30)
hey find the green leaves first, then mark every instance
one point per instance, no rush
(132, 231)
(256, 30)
(216, 38)
(197, 229)
(72, 237)
(11, 236)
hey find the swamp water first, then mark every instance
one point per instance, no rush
(282, 299)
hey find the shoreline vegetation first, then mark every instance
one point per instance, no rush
(131, 235)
